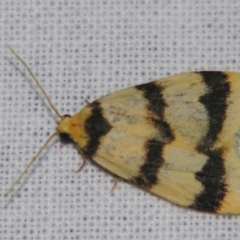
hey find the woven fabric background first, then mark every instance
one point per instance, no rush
(81, 50)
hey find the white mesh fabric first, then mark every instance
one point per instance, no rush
(81, 50)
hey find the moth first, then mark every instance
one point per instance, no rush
(175, 137)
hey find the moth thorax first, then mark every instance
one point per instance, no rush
(71, 129)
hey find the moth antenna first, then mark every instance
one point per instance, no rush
(115, 183)
(36, 81)
(30, 164)
(49, 139)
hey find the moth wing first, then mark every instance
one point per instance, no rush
(189, 122)
(184, 180)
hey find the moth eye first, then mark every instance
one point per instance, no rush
(65, 138)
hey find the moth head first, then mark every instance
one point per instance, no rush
(64, 129)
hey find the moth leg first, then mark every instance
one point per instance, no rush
(115, 183)
(87, 102)
(84, 161)
(82, 166)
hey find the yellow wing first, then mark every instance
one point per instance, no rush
(175, 137)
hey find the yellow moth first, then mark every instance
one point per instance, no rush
(174, 137)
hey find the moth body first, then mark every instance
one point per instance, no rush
(174, 137)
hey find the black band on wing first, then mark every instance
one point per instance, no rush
(96, 126)
(148, 172)
(212, 175)
(153, 159)
(153, 93)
